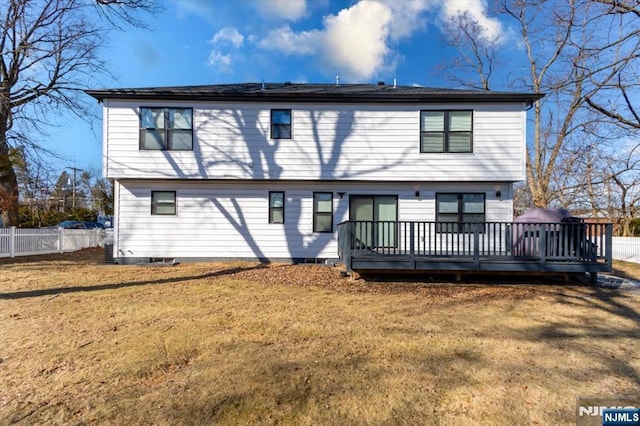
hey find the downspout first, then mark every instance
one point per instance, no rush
(116, 220)
(105, 138)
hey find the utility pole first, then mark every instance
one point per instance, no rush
(73, 202)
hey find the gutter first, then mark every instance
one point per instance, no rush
(100, 95)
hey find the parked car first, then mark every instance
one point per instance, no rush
(106, 220)
(72, 224)
(93, 225)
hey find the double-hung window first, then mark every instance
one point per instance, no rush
(323, 212)
(280, 124)
(166, 129)
(163, 202)
(276, 207)
(455, 212)
(446, 131)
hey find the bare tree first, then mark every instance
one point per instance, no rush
(619, 86)
(49, 52)
(521, 199)
(34, 181)
(568, 48)
(102, 196)
(478, 55)
(613, 188)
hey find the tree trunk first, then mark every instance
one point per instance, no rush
(8, 179)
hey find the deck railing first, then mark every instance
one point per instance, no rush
(542, 242)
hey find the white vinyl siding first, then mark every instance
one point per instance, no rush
(217, 219)
(346, 142)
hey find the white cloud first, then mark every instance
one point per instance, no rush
(223, 41)
(204, 9)
(228, 35)
(289, 10)
(477, 10)
(355, 42)
(285, 40)
(219, 61)
(408, 16)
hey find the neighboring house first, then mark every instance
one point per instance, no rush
(268, 171)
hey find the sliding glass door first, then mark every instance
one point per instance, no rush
(376, 216)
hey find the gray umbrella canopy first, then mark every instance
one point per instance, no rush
(531, 225)
(542, 215)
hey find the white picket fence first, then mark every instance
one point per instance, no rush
(627, 249)
(31, 241)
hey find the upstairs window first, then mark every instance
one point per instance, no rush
(446, 131)
(280, 124)
(453, 210)
(166, 129)
(163, 202)
(276, 207)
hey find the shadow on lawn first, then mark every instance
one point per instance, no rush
(582, 335)
(78, 289)
(319, 387)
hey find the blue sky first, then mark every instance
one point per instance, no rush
(223, 41)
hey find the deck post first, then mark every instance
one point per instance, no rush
(345, 245)
(542, 243)
(348, 245)
(608, 245)
(412, 245)
(476, 247)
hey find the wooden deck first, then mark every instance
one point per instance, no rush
(553, 248)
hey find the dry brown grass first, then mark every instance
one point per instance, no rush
(84, 343)
(627, 270)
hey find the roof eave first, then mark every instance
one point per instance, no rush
(100, 95)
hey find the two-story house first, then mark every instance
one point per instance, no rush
(267, 171)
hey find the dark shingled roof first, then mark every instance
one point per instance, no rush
(313, 93)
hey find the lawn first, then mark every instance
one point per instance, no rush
(238, 343)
